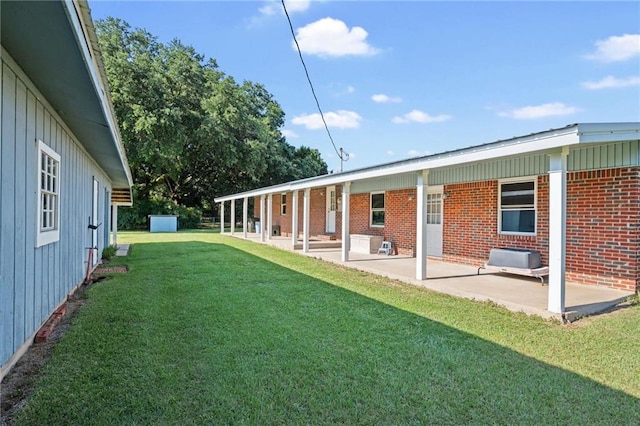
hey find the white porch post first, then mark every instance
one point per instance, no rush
(421, 228)
(346, 192)
(305, 220)
(233, 217)
(557, 229)
(222, 217)
(114, 220)
(294, 220)
(269, 215)
(262, 221)
(245, 216)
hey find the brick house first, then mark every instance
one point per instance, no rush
(572, 193)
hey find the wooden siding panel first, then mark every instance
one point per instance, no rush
(511, 167)
(19, 213)
(619, 154)
(30, 213)
(384, 184)
(35, 280)
(7, 198)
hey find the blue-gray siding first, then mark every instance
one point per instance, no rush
(34, 281)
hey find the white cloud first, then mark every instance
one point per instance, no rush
(389, 152)
(540, 111)
(380, 98)
(416, 153)
(417, 116)
(611, 82)
(616, 48)
(332, 37)
(341, 119)
(272, 7)
(289, 133)
(351, 89)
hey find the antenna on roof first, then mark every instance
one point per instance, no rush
(344, 156)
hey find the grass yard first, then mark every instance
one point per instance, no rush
(211, 329)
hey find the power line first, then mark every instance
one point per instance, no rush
(344, 156)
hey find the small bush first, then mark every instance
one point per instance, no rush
(109, 252)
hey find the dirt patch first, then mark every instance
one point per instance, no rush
(18, 385)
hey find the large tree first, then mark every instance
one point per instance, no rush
(190, 131)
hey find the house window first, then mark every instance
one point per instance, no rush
(434, 208)
(48, 195)
(377, 209)
(283, 204)
(517, 207)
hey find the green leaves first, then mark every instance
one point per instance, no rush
(190, 131)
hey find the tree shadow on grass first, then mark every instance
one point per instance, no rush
(199, 332)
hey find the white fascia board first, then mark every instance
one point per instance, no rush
(526, 145)
(474, 155)
(608, 132)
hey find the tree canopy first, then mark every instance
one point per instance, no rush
(190, 131)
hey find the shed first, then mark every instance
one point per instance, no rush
(163, 223)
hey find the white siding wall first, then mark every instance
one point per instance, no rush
(34, 281)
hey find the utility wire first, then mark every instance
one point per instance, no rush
(344, 156)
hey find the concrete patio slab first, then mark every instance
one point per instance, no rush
(516, 293)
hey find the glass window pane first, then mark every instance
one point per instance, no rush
(517, 194)
(377, 201)
(519, 221)
(377, 218)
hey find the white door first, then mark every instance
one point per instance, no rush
(331, 210)
(94, 223)
(434, 221)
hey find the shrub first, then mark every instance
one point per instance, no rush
(109, 252)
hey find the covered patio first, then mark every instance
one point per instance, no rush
(516, 293)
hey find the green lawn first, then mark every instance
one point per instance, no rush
(212, 329)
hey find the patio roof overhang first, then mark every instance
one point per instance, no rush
(548, 141)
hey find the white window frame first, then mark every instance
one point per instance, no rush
(534, 207)
(50, 233)
(283, 204)
(377, 209)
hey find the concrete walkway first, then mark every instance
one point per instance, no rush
(516, 293)
(123, 249)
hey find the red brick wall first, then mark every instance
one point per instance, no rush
(317, 212)
(603, 219)
(400, 218)
(470, 223)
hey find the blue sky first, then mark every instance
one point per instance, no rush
(401, 79)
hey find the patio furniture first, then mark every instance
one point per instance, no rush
(367, 244)
(516, 261)
(385, 248)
